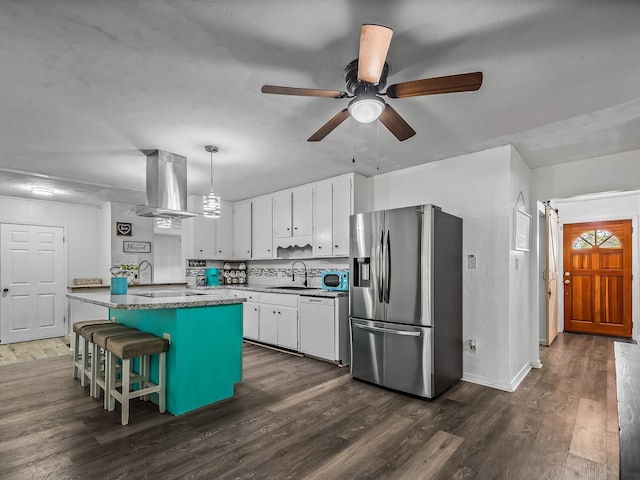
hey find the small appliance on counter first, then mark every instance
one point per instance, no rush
(213, 278)
(336, 280)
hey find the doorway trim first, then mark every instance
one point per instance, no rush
(598, 208)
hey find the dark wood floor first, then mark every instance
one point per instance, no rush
(296, 418)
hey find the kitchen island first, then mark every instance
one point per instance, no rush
(204, 360)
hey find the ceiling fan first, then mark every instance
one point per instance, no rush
(366, 76)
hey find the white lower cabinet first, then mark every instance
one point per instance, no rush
(279, 319)
(324, 328)
(251, 320)
(317, 327)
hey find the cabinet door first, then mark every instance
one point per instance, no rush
(302, 210)
(317, 327)
(242, 229)
(204, 237)
(224, 232)
(250, 320)
(282, 213)
(323, 219)
(342, 209)
(287, 327)
(262, 227)
(268, 330)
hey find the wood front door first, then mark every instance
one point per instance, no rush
(597, 278)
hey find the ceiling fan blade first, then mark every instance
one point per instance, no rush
(464, 82)
(396, 124)
(328, 127)
(302, 92)
(374, 45)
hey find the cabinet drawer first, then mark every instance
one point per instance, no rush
(279, 299)
(316, 300)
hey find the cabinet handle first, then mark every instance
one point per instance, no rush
(319, 246)
(219, 251)
(335, 246)
(288, 228)
(274, 312)
(279, 313)
(268, 249)
(295, 228)
(255, 309)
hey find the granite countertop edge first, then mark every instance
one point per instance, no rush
(126, 302)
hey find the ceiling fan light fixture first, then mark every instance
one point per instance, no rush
(366, 109)
(211, 201)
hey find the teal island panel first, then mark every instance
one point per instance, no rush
(204, 360)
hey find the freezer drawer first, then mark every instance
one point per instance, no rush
(392, 355)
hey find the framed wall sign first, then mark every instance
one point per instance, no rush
(124, 229)
(521, 227)
(136, 247)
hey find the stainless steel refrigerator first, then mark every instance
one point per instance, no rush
(405, 298)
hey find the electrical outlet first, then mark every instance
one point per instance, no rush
(472, 345)
(167, 336)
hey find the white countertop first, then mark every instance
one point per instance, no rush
(168, 299)
(307, 292)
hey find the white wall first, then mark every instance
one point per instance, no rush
(523, 336)
(82, 232)
(477, 188)
(80, 223)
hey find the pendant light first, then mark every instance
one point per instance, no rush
(211, 201)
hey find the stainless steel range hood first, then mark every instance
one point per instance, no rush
(166, 186)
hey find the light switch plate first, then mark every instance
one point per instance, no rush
(471, 261)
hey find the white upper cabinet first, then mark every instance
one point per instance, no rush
(333, 207)
(262, 227)
(224, 231)
(293, 212)
(302, 210)
(242, 229)
(324, 219)
(282, 213)
(342, 209)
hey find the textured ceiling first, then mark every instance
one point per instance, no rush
(87, 84)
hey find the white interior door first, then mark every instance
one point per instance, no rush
(33, 282)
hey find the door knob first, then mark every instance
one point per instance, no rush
(5, 290)
(567, 282)
(567, 274)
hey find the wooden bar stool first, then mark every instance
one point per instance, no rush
(98, 349)
(79, 358)
(126, 348)
(90, 361)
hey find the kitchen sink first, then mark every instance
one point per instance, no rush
(295, 287)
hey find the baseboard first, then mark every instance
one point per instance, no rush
(517, 380)
(486, 381)
(536, 363)
(491, 382)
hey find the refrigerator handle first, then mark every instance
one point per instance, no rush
(387, 330)
(387, 272)
(380, 279)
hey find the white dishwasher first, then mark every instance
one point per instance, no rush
(318, 327)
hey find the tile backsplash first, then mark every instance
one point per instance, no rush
(278, 272)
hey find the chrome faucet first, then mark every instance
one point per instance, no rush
(293, 275)
(147, 265)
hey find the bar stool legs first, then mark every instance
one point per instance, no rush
(126, 348)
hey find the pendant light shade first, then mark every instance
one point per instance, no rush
(211, 201)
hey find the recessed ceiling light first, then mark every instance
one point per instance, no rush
(42, 190)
